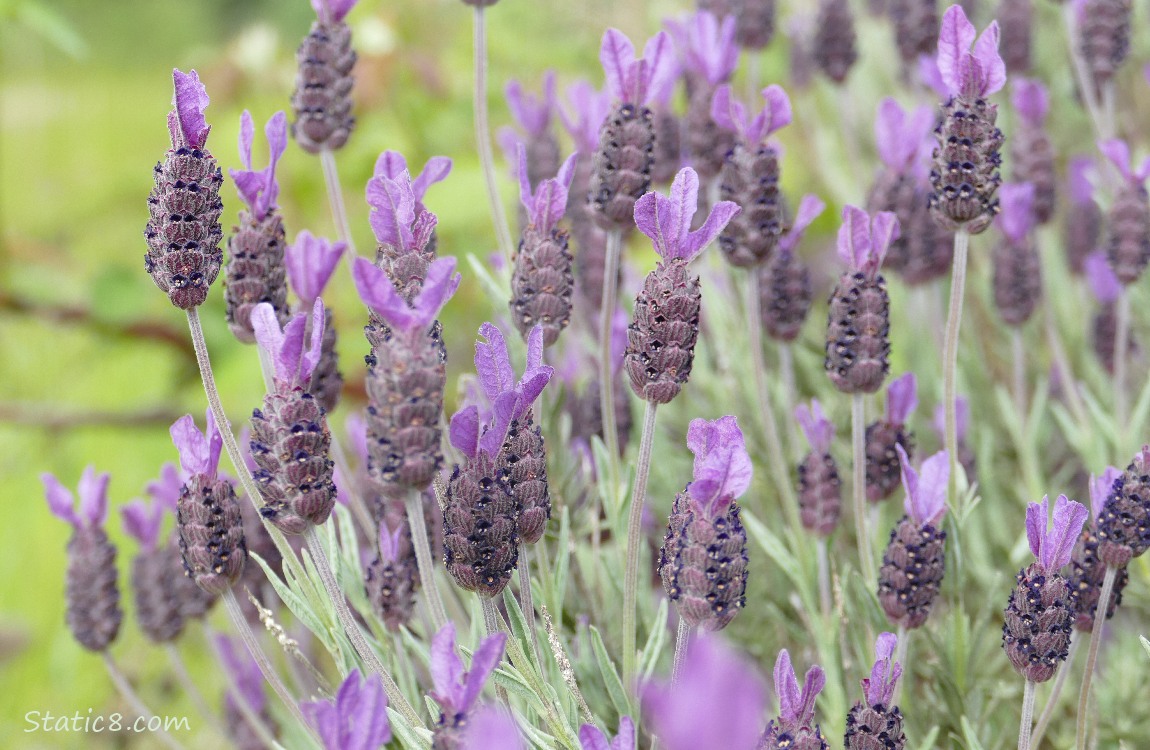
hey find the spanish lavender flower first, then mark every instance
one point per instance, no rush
(715, 704)
(750, 175)
(255, 269)
(665, 326)
(915, 558)
(154, 570)
(877, 725)
(756, 23)
(835, 41)
(393, 576)
(356, 719)
(1103, 37)
(785, 281)
(885, 436)
(194, 602)
(310, 263)
(322, 97)
(592, 738)
(534, 116)
(208, 517)
(407, 374)
(964, 174)
(290, 440)
(542, 282)
(1082, 226)
(710, 57)
(1031, 150)
(1087, 572)
(622, 164)
(1017, 267)
(1128, 222)
(492, 727)
(914, 25)
(457, 691)
(858, 321)
(795, 727)
(704, 554)
(1104, 329)
(245, 673)
(820, 489)
(1017, 20)
(966, 455)
(93, 596)
(183, 232)
(1042, 607)
(1123, 526)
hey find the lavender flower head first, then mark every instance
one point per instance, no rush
(532, 113)
(879, 687)
(1052, 544)
(820, 489)
(969, 68)
(546, 204)
(310, 262)
(785, 287)
(1128, 221)
(455, 690)
(638, 81)
(592, 738)
(492, 727)
(722, 469)
(258, 188)
(731, 114)
(925, 502)
(901, 137)
(590, 108)
(795, 725)
(715, 705)
(1031, 100)
(199, 451)
(92, 509)
(292, 363)
(392, 165)
(707, 46)
(666, 220)
(398, 218)
(877, 718)
(356, 719)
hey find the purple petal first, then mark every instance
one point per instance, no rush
(166, 489)
(438, 287)
(854, 238)
(721, 214)
(1103, 282)
(810, 208)
(880, 687)
(813, 684)
(616, 54)
(389, 543)
(363, 710)
(312, 356)
(392, 201)
(1058, 544)
(270, 338)
(673, 216)
(446, 670)
(727, 111)
(464, 430)
(189, 101)
(591, 107)
(247, 135)
(901, 399)
(287, 359)
(493, 362)
(819, 430)
(926, 493)
(1030, 100)
(1036, 518)
(660, 69)
(1081, 188)
(929, 74)
(390, 164)
(787, 687)
(504, 410)
(722, 469)
(888, 132)
(335, 11)
(142, 521)
(483, 663)
(435, 171)
(625, 739)
(1016, 218)
(310, 262)
(377, 292)
(195, 455)
(954, 39)
(491, 728)
(60, 499)
(1118, 153)
(885, 230)
(776, 110)
(993, 76)
(534, 351)
(592, 739)
(1101, 488)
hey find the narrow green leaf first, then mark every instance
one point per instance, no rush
(655, 642)
(409, 737)
(1145, 644)
(970, 735)
(518, 624)
(611, 679)
(928, 741)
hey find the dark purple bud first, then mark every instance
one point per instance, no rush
(321, 101)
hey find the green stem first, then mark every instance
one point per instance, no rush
(634, 533)
(682, 636)
(824, 579)
(1092, 653)
(950, 359)
(606, 371)
(335, 198)
(858, 486)
(419, 538)
(526, 601)
(129, 695)
(483, 138)
(1027, 716)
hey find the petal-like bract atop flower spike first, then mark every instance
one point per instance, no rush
(1101, 277)
(455, 690)
(797, 705)
(357, 719)
(392, 201)
(510, 399)
(962, 417)
(142, 521)
(332, 11)
(863, 241)
(723, 468)
(1118, 152)
(730, 114)
(547, 204)
(1053, 544)
(258, 187)
(186, 123)
(592, 739)
(1100, 488)
(389, 541)
(810, 208)
(531, 112)
(310, 262)
(819, 431)
(392, 165)
(492, 727)
(166, 489)
(901, 398)
(1030, 100)
(667, 220)
(293, 363)
(93, 490)
(716, 704)
(879, 688)
(711, 51)
(901, 136)
(977, 73)
(591, 107)
(378, 293)
(1081, 187)
(199, 451)
(638, 81)
(925, 492)
(1017, 216)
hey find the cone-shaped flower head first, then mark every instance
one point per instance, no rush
(1087, 571)
(785, 282)
(884, 435)
(1103, 38)
(592, 738)
(1082, 221)
(1017, 267)
(292, 363)
(392, 578)
(356, 719)
(820, 489)
(877, 718)
(455, 690)
(1123, 527)
(795, 725)
(901, 136)
(322, 97)
(156, 571)
(731, 114)
(1100, 487)
(378, 293)
(707, 48)
(492, 727)
(715, 705)
(835, 42)
(258, 188)
(310, 262)
(1128, 221)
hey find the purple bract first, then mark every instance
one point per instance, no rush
(1016, 218)
(638, 81)
(667, 220)
(730, 114)
(547, 204)
(377, 292)
(722, 470)
(925, 489)
(1052, 545)
(972, 73)
(356, 719)
(310, 262)
(293, 363)
(93, 491)
(863, 241)
(258, 187)
(879, 688)
(186, 122)
(199, 451)
(455, 690)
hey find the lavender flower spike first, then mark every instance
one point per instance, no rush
(545, 205)
(878, 717)
(293, 364)
(199, 451)
(592, 738)
(1100, 487)
(795, 728)
(900, 136)
(591, 107)
(667, 220)
(532, 113)
(730, 114)
(1052, 544)
(1128, 221)
(455, 690)
(638, 81)
(722, 470)
(819, 431)
(310, 262)
(378, 293)
(356, 719)
(258, 188)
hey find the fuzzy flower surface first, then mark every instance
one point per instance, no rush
(879, 687)
(796, 704)
(379, 293)
(863, 241)
(142, 521)
(356, 719)
(707, 45)
(1100, 487)
(819, 431)
(592, 738)
(332, 11)
(199, 451)
(456, 690)
(258, 188)
(398, 218)
(810, 208)
(186, 123)
(310, 262)
(1016, 218)
(731, 114)
(1031, 100)
(722, 470)
(968, 67)
(925, 489)
(293, 363)
(667, 219)
(546, 204)
(1053, 542)
(638, 80)
(92, 509)
(901, 398)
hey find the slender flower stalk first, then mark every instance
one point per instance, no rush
(335, 200)
(682, 636)
(634, 532)
(950, 356)
(125, 689)
(606, 365)
(858, 485)
(1024, 729)
(483, 137)
(413, 503)
(1055, 692)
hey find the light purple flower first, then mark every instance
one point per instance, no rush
(199, 451)
(356, 719)
(1053, 544)
(1016, 218)
(392, 165)
(186, 123)
(638, 81)
(591, 108)
(1081, 188)
(547, 204)
(1030, 100)
(1101, 277)
(1118, 152)
(717, 703)
(292, 362)
(863, 241)
(819, 430)
(455, 690)
(969, 68)
(797, 706)
(926, 492)
(93, 491)
(1100, 488)
(332, 11)
(398, 218)
(810, 208)
(377, 292)
(591, 738)
(259, 188)
(961, 422)
(931, 76)
(142, 522)
(490, 729)
(667, 220)
(707, 45)
(901, 399)
(901, 137)
(879, 688)
(730, 114)
(310, 262)
(243, 670)
(722, 470)
(166, 489)
(531, 112)
(389, 541)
